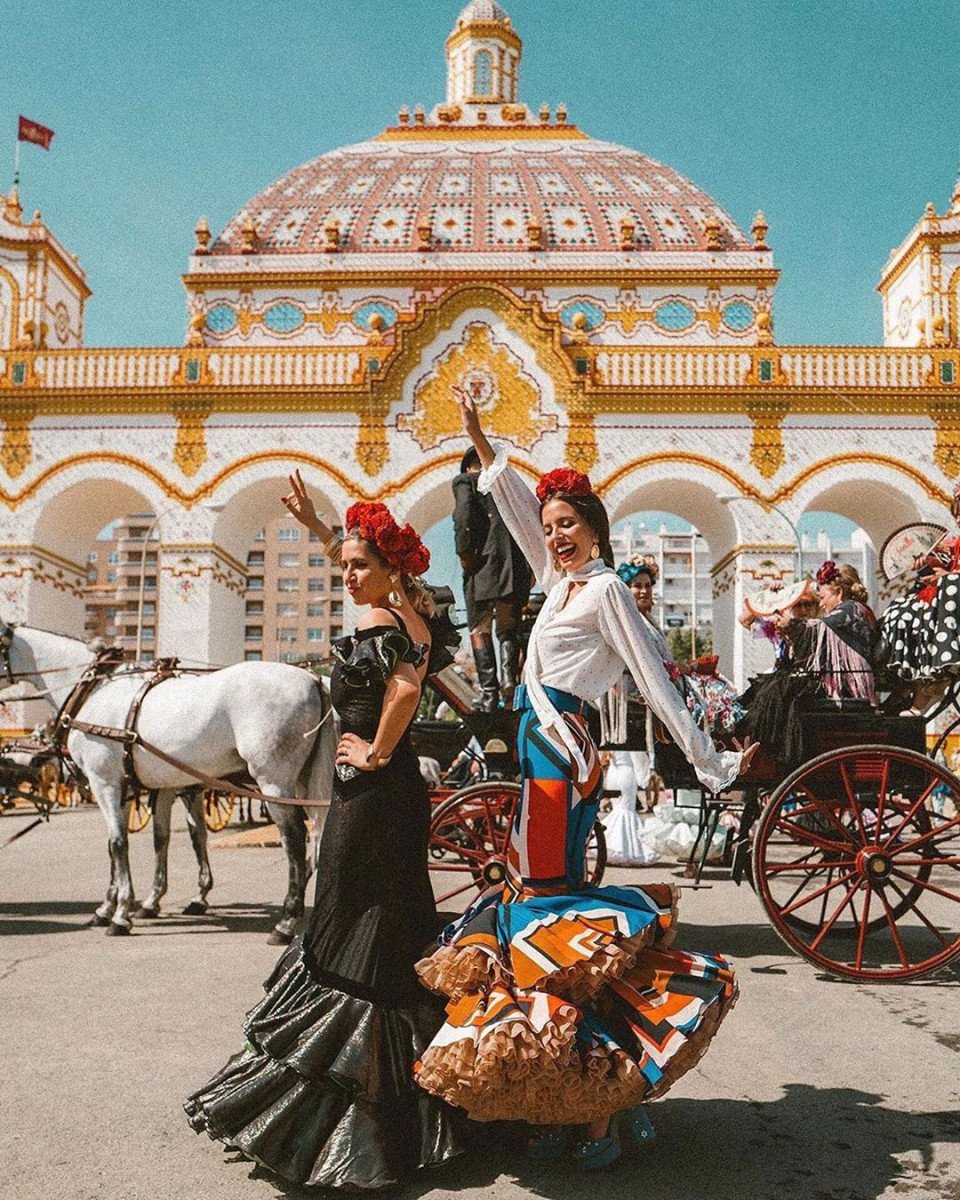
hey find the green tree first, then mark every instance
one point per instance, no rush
(679, 641)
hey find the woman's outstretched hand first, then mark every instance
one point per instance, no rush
(747, 750)
(471, 425)
(299, 504)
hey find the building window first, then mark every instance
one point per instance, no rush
(336, 608)
(315, 585)
(288, 583)
(288, 533)
(113, 557)
(253, 633)
(290, 656)
(92, 556)
(482, 73)
(260, 535)
(315, 610)
(148, 633)
(316, 560)
(336, 583)
(111, 576)
(149, 582)
(314, 635)
(336, 631)
(149, 608)
(286, 635)
(288, 560)
(254, 608)
(254, 583)
(314, 537)
(286, 610)
(252, 656)
(255, 558)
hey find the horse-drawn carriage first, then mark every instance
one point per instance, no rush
(855, 855)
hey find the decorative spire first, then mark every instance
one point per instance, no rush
(13, 209)
(202, 234)
(955, 199)
(759, 230)
(483, 56)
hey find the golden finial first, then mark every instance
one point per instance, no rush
(424, 235)
(561, 114)
(955, 199)
(628, 230)
(37, 221)
(712, 229)
(331, 231)
(939, 330)
(202, 234)
(759, 230)
(544, 114)
(403, 116)
(12, 209)
(929, 211)
(195, 330)
(248, 236)
(764, 328)
(419, 116)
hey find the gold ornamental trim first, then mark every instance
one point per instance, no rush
(483, 133)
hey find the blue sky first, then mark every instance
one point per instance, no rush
(839, 120)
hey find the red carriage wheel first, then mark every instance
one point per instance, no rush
(856, 859)
(469, 834)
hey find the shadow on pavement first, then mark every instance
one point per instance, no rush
(30, 918)
(811, 1144)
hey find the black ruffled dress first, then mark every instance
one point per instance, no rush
(323, 1093)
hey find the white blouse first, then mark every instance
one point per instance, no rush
(582, 646)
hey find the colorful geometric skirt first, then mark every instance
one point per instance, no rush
(565, 1002)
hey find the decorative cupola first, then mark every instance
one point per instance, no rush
(483, 57)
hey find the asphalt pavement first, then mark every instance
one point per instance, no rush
(814, 1089)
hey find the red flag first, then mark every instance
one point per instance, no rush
(33, 131)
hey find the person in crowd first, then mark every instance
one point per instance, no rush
(919, 631)
(567, 1008)
(322, 1093)
(496, 584)
(829, 656)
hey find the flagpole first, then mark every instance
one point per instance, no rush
(16, 163)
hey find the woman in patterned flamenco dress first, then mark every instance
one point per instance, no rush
(322, 1093)
(566, 1006)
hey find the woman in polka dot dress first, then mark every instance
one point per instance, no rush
(920, 631)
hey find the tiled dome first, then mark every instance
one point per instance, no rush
(482, 10)
(481, 195)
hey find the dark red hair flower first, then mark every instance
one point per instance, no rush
(564, 481)
(399, 548)
(828, 573)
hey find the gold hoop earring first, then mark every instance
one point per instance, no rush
(595, 550)
(395, 595)
(557, 565)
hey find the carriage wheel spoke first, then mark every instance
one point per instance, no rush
(882, 796)
(918, 911)
(824, 809)
(854, 805)
(808, 838)
(814, 869)
(825, 929)
(456, 892)
(911, 812)
(864, 922)
(441, 843)
(943, 833)
(916, 881)
(817, 894)
(894, 932)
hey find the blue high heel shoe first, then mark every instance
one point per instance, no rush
(549, 1144)
(598, 1153)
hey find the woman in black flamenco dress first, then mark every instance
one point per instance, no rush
(322, 1093)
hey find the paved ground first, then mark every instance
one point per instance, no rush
(814, 1089)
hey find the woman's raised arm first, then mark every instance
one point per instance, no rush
(515, 502)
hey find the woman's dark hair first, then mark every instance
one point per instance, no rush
(591, 511)
(470, 459)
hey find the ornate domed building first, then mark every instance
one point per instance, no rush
(603, 310)
(608, 242)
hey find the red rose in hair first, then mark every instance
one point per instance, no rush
(564, 481)
(401, 549)
(829, 572)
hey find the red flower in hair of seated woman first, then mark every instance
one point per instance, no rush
(564, 481)
(399, 547)
(828, 573)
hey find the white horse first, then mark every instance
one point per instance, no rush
(259, 717)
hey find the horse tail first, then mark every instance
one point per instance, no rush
(316, 777)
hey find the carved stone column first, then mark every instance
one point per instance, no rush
(200, 604)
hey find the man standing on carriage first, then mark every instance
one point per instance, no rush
(496, 585)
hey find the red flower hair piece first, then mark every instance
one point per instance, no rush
(399, 548)
(828, 573)
(564, 481)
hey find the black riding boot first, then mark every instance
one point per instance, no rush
(509, 666)
(485, 657)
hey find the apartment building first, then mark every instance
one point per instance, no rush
(293, 606)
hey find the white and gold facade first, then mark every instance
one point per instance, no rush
(604, 311)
